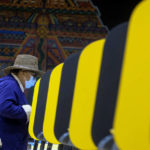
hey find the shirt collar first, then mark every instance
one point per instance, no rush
(17, 79)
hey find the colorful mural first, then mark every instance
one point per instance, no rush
(48, 29)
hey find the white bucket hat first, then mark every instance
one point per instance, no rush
(25, 62)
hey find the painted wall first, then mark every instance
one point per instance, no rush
(51, 31)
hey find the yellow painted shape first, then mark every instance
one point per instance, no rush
(51, 105)
(84, 98)
(71, 3)
(33, 111)
(132, 119)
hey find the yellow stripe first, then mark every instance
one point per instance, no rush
(85, 92)
(33, 111)
(52, 19)
(71, 3)
(51, 105)
(132, 119)
(33, 20)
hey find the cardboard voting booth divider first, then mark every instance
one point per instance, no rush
(132, 118)
(84, 97)
(108, 83)
(51, 105)
(65, 98)
(41, 105)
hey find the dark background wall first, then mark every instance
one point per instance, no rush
(115, 12)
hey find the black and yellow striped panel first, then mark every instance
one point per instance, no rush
(66, 95)
(132, 118)
(108, 82)
(51, 105)
(38, 106)
(86, 85)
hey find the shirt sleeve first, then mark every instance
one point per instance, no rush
(9, 107)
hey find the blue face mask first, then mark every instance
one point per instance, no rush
(30, 83)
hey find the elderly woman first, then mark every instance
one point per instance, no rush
(14, 110)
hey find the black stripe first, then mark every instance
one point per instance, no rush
(108, 82)
(66, 95)
(41, 104)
